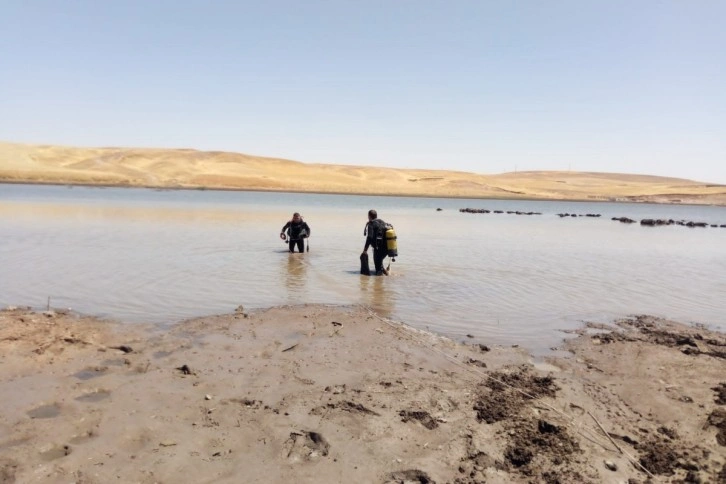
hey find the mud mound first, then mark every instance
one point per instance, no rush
(720, 390)
(659, 332)
(505, 394)
(540, 439)
(408, 477)
(541, 448)
(306, 446)
(658, 457)
(718, 419)
(423, 417)
(345, 406)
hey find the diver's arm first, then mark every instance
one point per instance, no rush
(285, 227)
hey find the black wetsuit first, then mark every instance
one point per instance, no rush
(296, 234)
(376, 238)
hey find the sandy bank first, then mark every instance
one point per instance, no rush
(328, 394)
(187, 168)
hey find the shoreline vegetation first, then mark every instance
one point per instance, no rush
(198, 170)
(318, 393)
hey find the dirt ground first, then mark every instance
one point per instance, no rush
(329, 394)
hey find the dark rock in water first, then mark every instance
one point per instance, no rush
(439, 209)
(470, 210)
(498, 211)
(652, 222)
(723, 226)
(714, 225)
(624, 220)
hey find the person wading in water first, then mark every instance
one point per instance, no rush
(297, 231)
(375, 233)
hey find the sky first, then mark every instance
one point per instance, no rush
(479, 86)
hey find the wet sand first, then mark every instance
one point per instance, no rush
(329, 394)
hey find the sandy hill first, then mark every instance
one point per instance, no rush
(188, 168)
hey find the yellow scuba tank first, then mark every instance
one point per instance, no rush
(391, 244)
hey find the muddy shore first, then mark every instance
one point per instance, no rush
(328, 394)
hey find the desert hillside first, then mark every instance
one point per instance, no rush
(188, 168)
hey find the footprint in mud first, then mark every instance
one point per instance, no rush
(116, 362)
(424, 418)
(8, 469)
(51, 410)
(93, 397)
(89, 373)
(305, 446)
(411, 476)
(56, 452)
(82, 438)
(344, 406)
(161, 354)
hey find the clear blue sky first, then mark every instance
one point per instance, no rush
(483, 86)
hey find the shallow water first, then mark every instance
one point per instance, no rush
(142, 255)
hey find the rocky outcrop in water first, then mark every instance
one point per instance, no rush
(483, 210)
(595, 215)
(647, 222)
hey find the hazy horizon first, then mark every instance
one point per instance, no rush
(613, 87)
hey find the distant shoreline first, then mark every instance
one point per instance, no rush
(434, 196)
(182, 169)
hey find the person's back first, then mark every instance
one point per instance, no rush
(376, 237)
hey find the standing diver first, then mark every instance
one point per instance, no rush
(297, 231)
(375, 233)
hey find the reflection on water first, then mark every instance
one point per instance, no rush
(378, 294)
(295, 276)
(147, 256)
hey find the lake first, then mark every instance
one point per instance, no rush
(160, 256)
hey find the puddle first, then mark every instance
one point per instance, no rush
(162, 354)
(115, 362)
(56, 452)
(94, 396)
(89, 373)
(45, 411)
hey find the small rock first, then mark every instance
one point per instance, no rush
(207, 397)
(124, 348)
(610, 465)
(185, 369)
